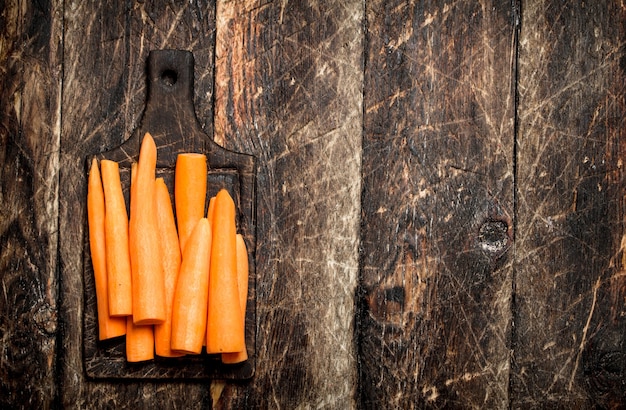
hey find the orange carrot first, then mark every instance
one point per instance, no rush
(209, 215)
(189, 312)
(139, 341)
(242, 283)
(225, 326)
(170, 251)
(189, 193)
(116, 228)
(211, 209)
(133, 177)
(147, 272)
(108, 327)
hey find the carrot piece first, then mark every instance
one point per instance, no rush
(209, 214)
(189, 311)
(211, 209)
(225, 326)
(116, 229)
(242, 283)
(139, 341)
(133, 177)
(108, 327)
(147, 272)
(171, 259)
(189, 193)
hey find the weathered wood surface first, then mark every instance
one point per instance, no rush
(441, 195)
(570, 326)
(30, 115)
(437, 204)
(289, 90)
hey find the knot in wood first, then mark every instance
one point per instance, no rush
(493, 236)
(605, 375)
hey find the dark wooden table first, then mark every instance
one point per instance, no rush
(440, 187)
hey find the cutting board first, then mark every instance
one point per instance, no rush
(170, 118)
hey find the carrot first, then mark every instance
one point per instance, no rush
(209, 215)
(189, 193)
(108, 327)
(133, 177)
(147, 272)
(171, 258)
(116, 229)
(189, 311)
(211, 209)
(242, 283)
(139, 341)
(225, 326)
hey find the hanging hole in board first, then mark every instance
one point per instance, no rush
(169, 77)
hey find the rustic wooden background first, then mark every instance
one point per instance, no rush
(440, 195)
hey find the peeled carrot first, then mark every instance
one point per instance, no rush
(139, 341)
(189, 311)
(171, 259)
(116, 229)
(225, 325)
(147, 272)
(133, 177)
(242, 283)
(189, 193)
(211, 209)
(108, 327)
(209, 215)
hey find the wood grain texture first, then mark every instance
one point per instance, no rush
(104, 93)
(569, 343)
(30, 69)
(289, 91)
(437, 205)
(423, 242)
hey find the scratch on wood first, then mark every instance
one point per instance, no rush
(283, 6)
(431, 393)
(465, 377)
(583, 339)
(217, 387)
(173, 26)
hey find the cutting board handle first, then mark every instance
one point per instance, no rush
(170, 117)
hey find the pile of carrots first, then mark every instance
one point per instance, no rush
(171, 285)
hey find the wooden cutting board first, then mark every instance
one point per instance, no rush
(170, 117)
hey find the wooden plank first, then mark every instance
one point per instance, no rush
(104, 94)
(569, 343)
(289, 91)
(30, 68)
(437, 203)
